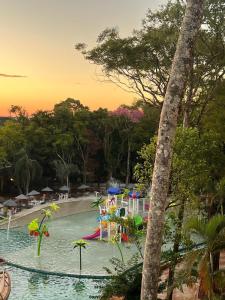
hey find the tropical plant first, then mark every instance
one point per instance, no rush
(136, 229)
(26, 170)
(125, 280)
(116, 240)
(97, 202)
(199, 262)
(64, 170)
(39, 228)
(197, 173)
(80, 244)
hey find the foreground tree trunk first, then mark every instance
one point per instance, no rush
(167, 127)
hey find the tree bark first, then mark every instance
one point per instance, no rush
(84, 172)
(167, 127)
(2, 183)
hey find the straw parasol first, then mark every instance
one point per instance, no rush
(10, 203)
(33, 193)
(64, 188)
(1, 206)
(47, 189)
(21, 197)
(83, 187)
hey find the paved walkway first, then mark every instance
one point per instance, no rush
(35, 208)
(67, 207)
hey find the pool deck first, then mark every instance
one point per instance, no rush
(67, 208)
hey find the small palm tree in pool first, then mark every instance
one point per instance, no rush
(97, 202)
(81, 244)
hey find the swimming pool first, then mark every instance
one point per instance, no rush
(58, 257)
(33, 286)
(57, 253)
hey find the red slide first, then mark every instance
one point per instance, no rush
(92, 236)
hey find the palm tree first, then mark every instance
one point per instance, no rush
(97, 202)
(26, 170)
(212, 234)
(64, 170)
(81, 244)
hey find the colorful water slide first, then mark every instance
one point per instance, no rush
(92, 236)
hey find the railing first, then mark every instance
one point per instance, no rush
(164, 265)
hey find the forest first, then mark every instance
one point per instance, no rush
(72, 144)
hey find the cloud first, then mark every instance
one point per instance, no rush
(12, 75)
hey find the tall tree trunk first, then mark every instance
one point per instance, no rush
(84, 172)
(128, 163)
(2, 183)
(27, 184)
(167, 127)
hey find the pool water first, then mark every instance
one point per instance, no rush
(57, 253)
(33, 286)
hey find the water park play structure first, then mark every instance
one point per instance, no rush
(20, 250)
(118, 204)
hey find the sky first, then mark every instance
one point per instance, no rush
(38, 63)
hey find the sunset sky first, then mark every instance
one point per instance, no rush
(37, 45)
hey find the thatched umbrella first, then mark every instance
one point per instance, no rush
(64, 188)
(21, 197)
(83, 187)
(33, 193)
(10, 203)
(1, 206)
(47, 189)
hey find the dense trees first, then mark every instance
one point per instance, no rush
(72, 144)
